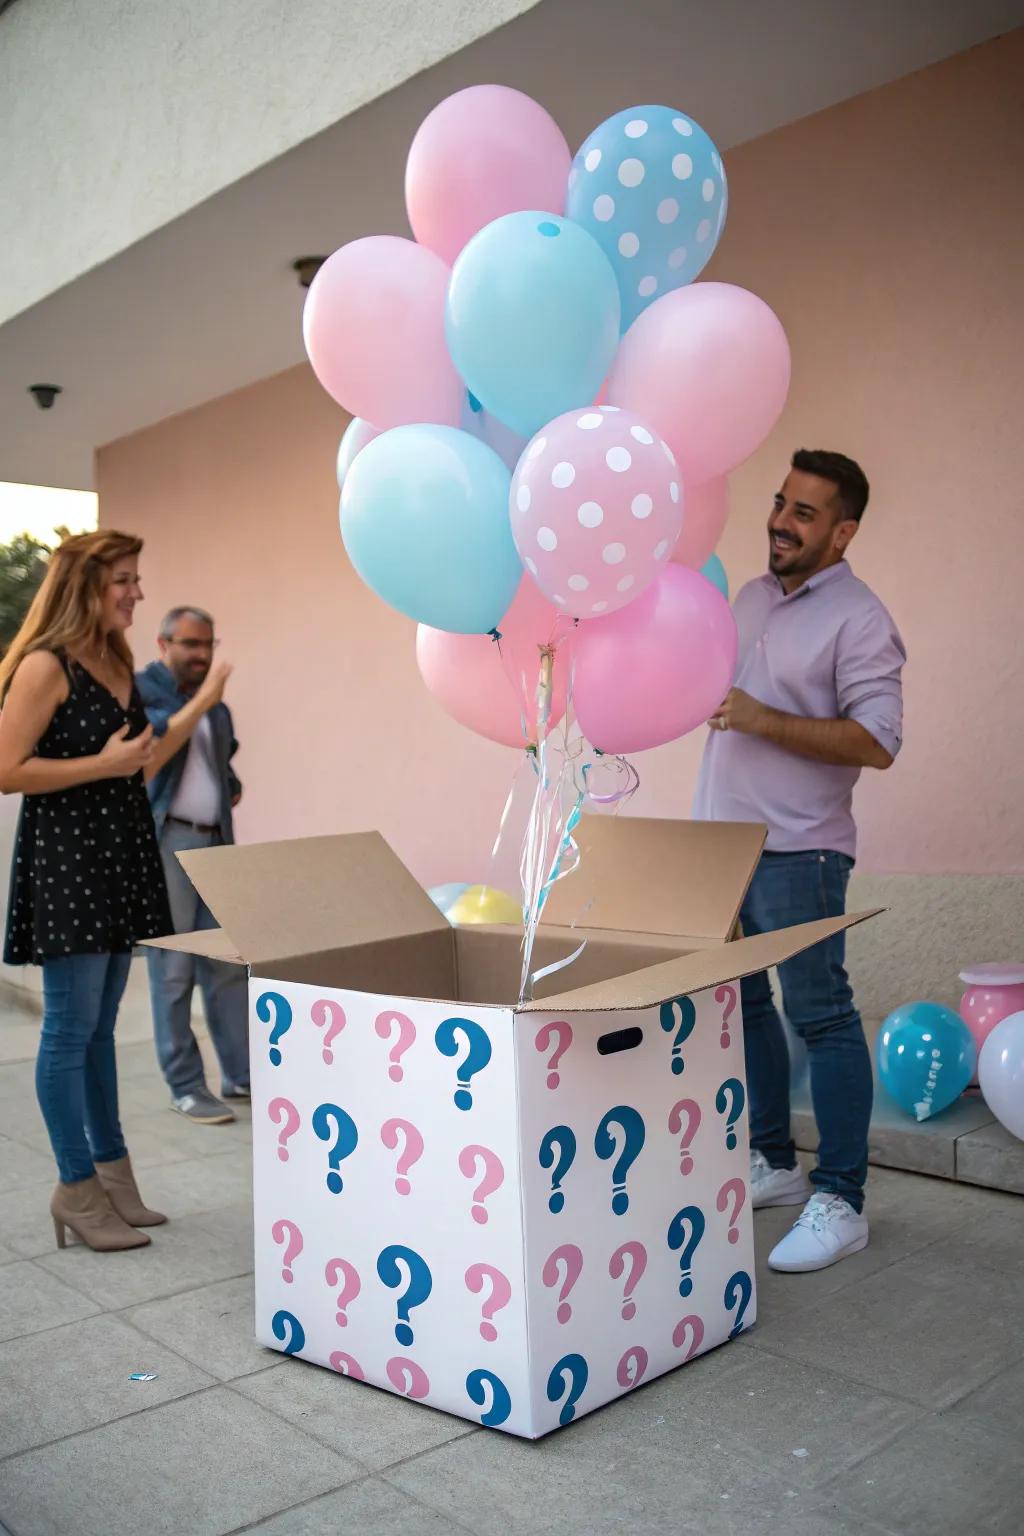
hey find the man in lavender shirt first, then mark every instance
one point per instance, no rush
(817, 698)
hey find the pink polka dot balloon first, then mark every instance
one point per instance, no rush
(597, 506)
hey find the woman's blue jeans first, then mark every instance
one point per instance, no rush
(798, 888)
(76, 1070)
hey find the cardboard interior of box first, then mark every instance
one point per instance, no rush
(657, 902)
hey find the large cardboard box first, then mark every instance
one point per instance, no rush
(514, 1213)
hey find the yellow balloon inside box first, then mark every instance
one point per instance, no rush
(485, 904)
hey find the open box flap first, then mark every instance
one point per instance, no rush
(310, 895)
(211, 943)
(695, 973)
(658, 876)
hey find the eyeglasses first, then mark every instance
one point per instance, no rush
(196, 645)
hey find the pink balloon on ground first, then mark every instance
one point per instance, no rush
(707, 508)
(491, 690)
(373, 325)
(597, 506)
(657, 669)
(484, 152)
(708, 366)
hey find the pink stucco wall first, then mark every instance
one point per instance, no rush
(887, 233)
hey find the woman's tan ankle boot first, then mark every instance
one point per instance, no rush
(123, 1193)
(84, 1208)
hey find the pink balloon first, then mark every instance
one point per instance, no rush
(373, 325)
(708, 366)
(488, 690)
(983, 1007)
(707, 507)
(657, 669)
(596, 506)
(482, 153)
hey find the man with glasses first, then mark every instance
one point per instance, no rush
(192, 798)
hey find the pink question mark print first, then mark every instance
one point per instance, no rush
(412, 1150)
(636, 1255)
(325, 1011)
(571, 1257)
(494, 1175)
(406, 1036)
(737, 1188)
(337, 1270)
(691, 1109)
(630, 1369)
(346, 1366)
(288, 1233)
(479, 1275)
(563, 1034)
(284, 1110)
(682, 1329)
(407, 1377)
(726, 995)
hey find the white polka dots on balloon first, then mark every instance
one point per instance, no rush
(682, 167)
(673, 490)
(531, 565)
(614, 554)
(624, 583)
(562, 475)
(631, 173)
(640, 434)
(629, 244)
(618, 459)
(703, 230)
(707, 190)
(662, 549)
(536, 448)
(578, 583)
(667, 451)
(604, 208)
(635, 129)
(646, 286)
(593, 159)
(547, 539)
(598, 607)
(590, 515)
(642, 506)
(668, 210)
(682, 126)
(677, 257)
(523, 498)
(591, 420)
(716, 160)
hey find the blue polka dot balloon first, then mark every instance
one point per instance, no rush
(649, 185)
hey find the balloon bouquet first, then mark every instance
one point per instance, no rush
(545, 407)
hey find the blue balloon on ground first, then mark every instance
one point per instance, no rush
(425, 520)
(714, 571)
(649, 185)
(444, 897)
(532, 318)
(926, 1057)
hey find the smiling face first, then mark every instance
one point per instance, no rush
(120, 594)
(807, 530)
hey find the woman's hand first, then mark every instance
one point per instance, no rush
(122, 759)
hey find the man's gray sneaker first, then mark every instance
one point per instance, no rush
(203, 1107)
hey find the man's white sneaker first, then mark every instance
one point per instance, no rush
(828, 1229)
(776, 1186)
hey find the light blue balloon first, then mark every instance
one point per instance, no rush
(649, 185)
(532, 318)
(714, 571)
(926, 1057)
(444, 897)
(354, 439)
(425, 520)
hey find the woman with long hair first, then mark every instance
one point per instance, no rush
(86, 879)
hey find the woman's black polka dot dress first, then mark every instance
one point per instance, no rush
(86, 877)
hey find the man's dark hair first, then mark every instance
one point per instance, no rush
(849, 479)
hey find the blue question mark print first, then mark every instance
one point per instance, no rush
(477, 1384)
(692, 1217)
(738, 1288)
(732, 1089)
(561, 1137)
(630, 1123)
(679, 1015)
(284, 1323)
(417, 1289)
(271, 1005)
(331, 1123)
(578, 1372)
(476, 1058)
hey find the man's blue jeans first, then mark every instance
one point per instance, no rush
(76, 1070)
(172, 977)
(798, 888)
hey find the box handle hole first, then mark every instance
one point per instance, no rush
(619, 1040)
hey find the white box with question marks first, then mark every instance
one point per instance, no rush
(513, 1213)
